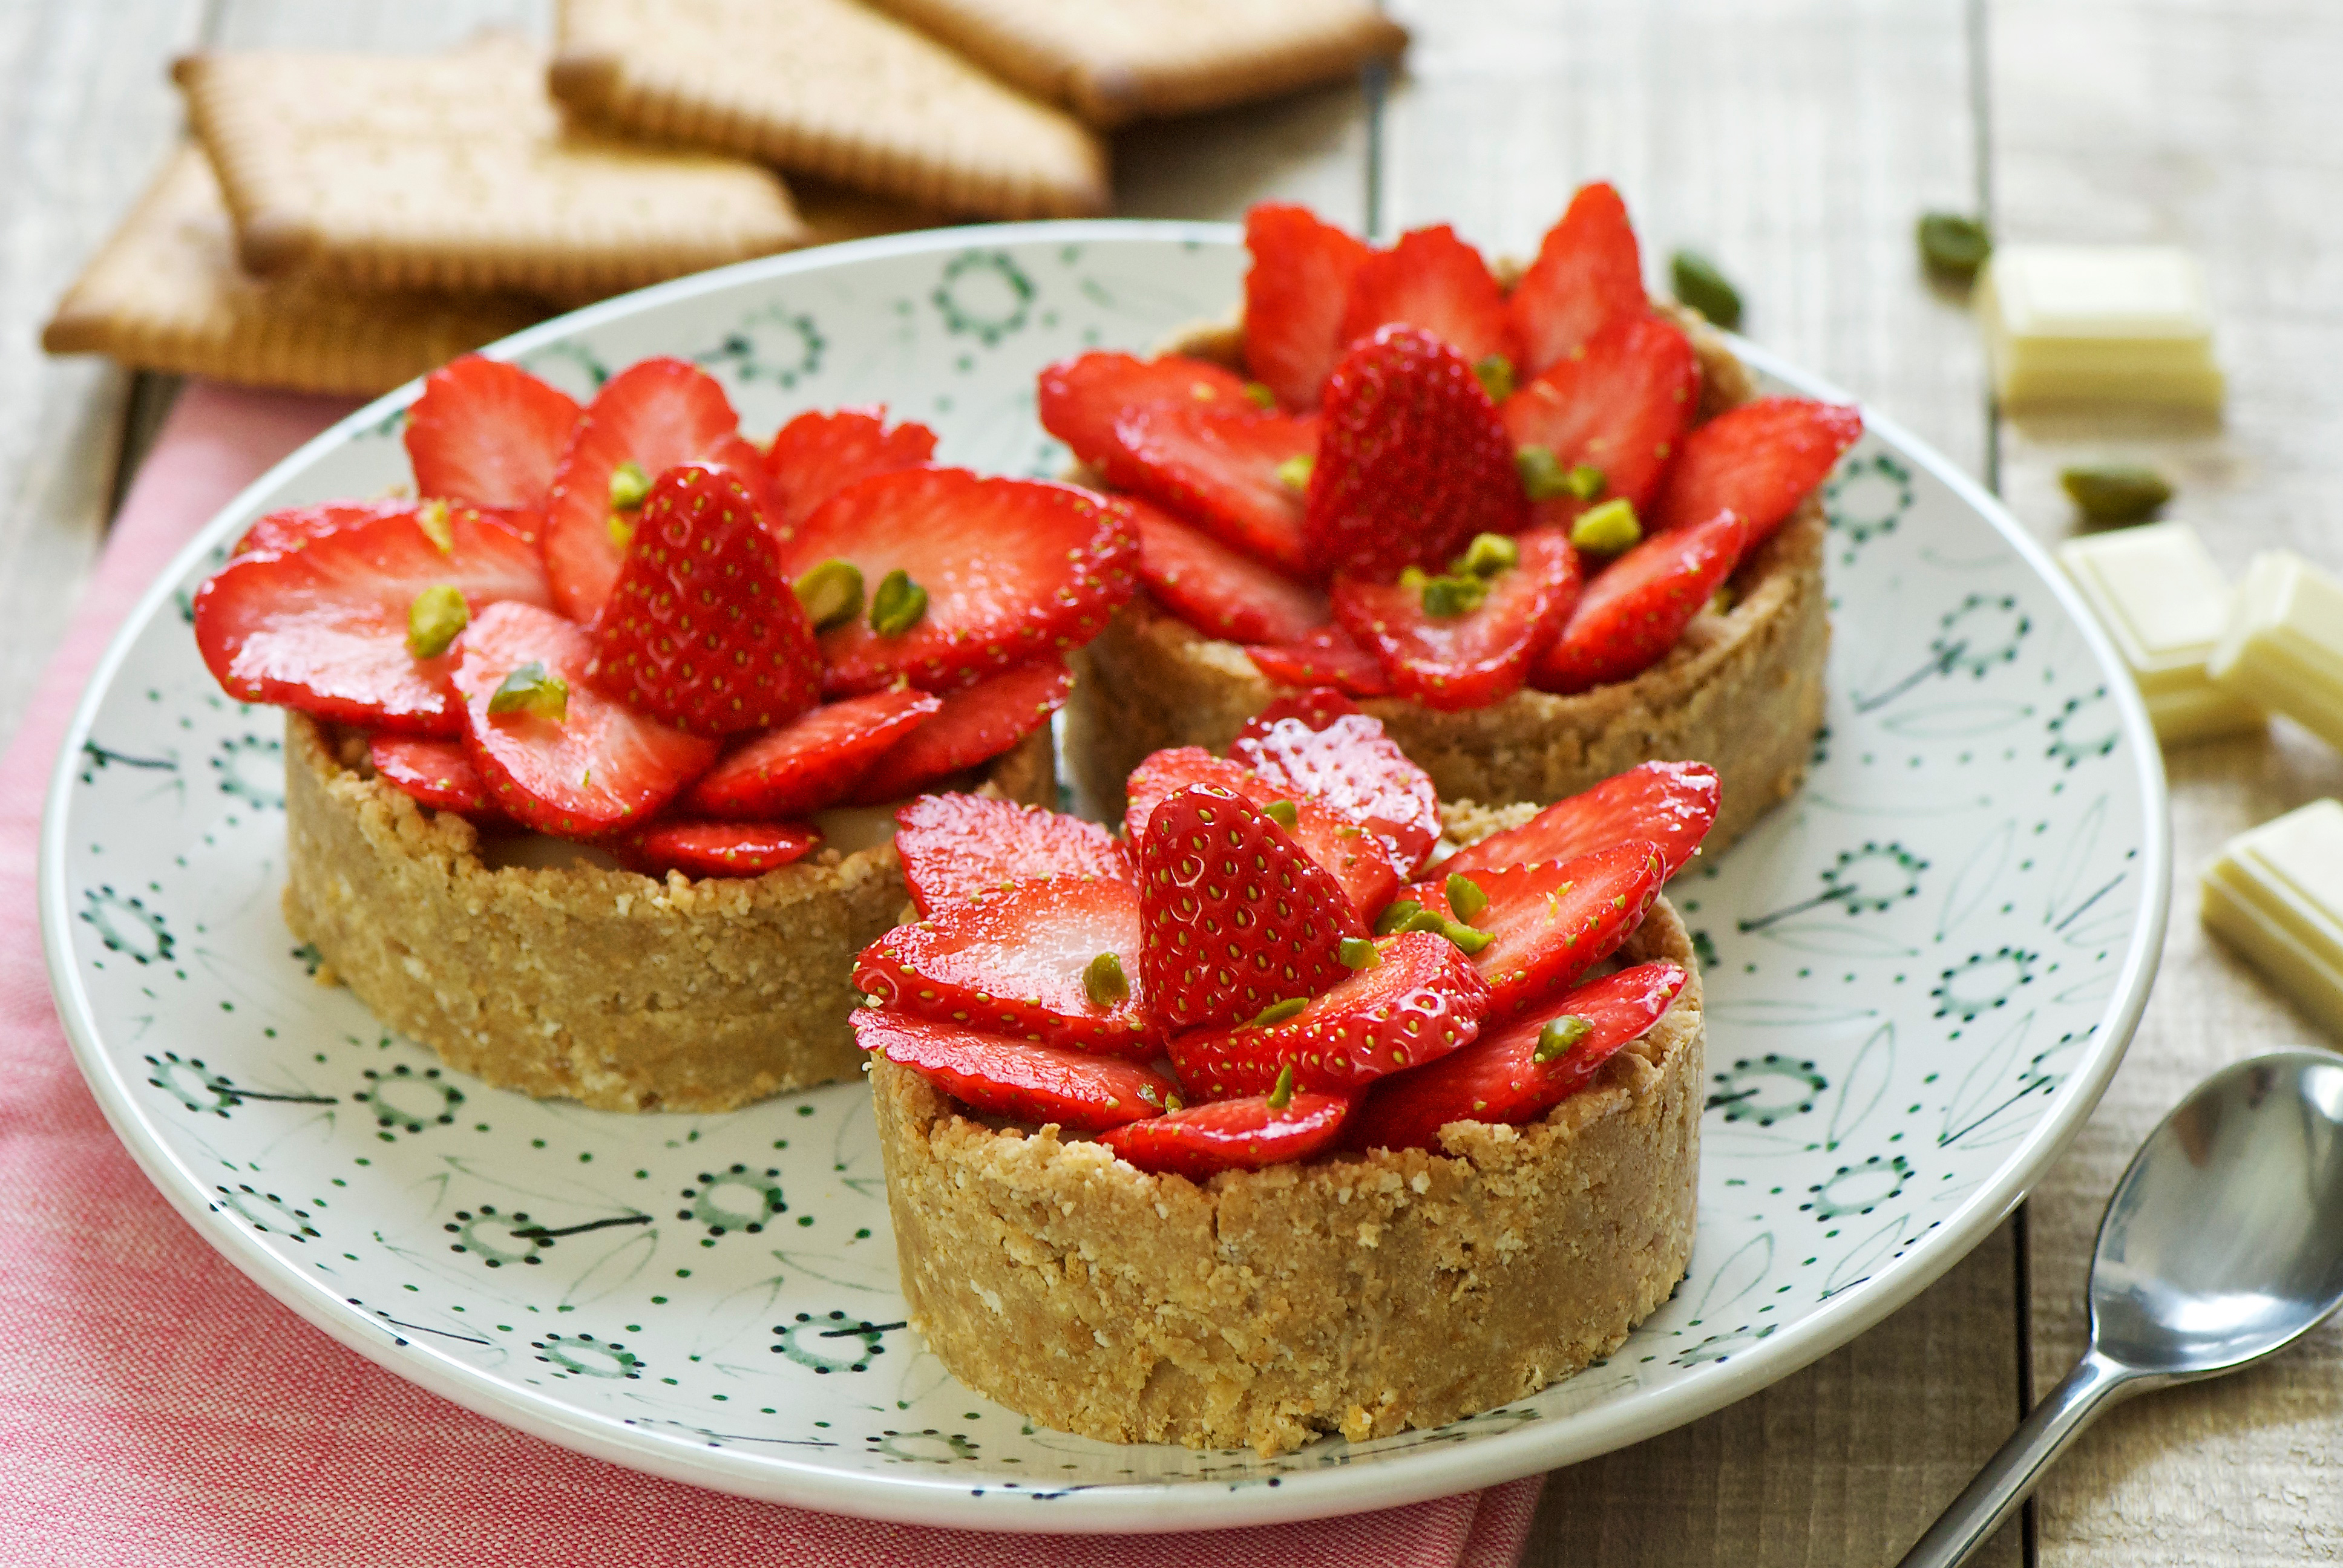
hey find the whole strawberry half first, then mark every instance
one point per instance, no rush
(295, 526)
(1012, 570)
(817, 455)
(1553, 922)
(812, 761)
(1351, 763)
(436, 773)
(1340, 844)
(1412, 460)
(1019, 1079)
(1200, 1141)
(1671, 804)
(975, 725)
(1080, 399)
(1434, 280)
(1759, 460)
(323, 627)
(1220, 592)
(956, 845)
(1454, 661)
(1638, 605)
(700, 629)
(1295, 293)
(716, 849)
(1228, 468)
(488, 433)
(1621, 404)
(1588, 274)
(1235, 915)
(1326, 655)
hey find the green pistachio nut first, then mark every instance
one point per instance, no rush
(1282, 1095)
(1584, 480)
(1296, 471)
(1560, 1035)
(2114, 493)
(831, 593)
(432, 517)
(1486, 556)
(1395, 917)
(628, 486)
(1284, 813)
(435, 618)
(1431, 920)
(1465, 896)
(1279, 1011)
(1466, 939)
(898, 604)
(1258, 394)
(1954, 244)
(1105, 981)
(1495, 374)
(1413, 579)
(1607, 529)
(1358, 953)
(1447, 598)
(1542, 476)
(530, 689)
(1700, 285)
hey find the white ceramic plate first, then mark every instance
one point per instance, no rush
(1921, 972)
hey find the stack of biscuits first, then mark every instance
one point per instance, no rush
(341, 223)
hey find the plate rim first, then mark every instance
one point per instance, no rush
(1139, 1506)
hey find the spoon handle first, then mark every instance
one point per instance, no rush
(2010, 1476)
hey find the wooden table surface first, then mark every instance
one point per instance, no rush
(1795, 141)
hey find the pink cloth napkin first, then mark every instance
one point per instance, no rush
(156, 1407)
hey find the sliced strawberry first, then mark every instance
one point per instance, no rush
(1200, 1141)
(1295, 293)
(1588, 273)
(1553, 922)
(812, 761)
(297, 526)
(1672, 805)
(654, 413)
(1636, 608)
(1420, 1000)
(738, 458)
(1622, 405)
(1433, 280)
(815, 455)
(1080, 399)
(1760, 460)
(1316, 708)
(1498, 1079)
(1013, 569)
(1236, 914)
(1351, 764)
(1412, 461)
(1339, 843)
(973, 726)
(1481, 657)
(1221, 468)
(1015, 1077)
(600, 767)
(1018, 961)
(1327, 656)
(717, 848)
(488, 433)
(1215, 589)
(956, 845)
(323, 627)
(439, 773)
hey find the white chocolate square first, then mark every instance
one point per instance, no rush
(2276, 894)
(2164, 603)
(2124, 324)
(2283, 646)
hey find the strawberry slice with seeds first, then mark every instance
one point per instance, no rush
(1295, 295)
(717, 848)
(1080, 399)
(1202, 1140)
(1412, 460)
(1451, 662)
(1017, 1078)
(1235, 471)
(596, 768)
(1588, 273)
(323, 627)
(1498, 1079)
(1760, 460)
(1236, 915)
(1672, 805)
(971, 727)
(812, 761)
(1326, 657)
(438, 773)
(488, 433)
(956, 845)
(1341, 845)
(1553, 922)
(1418, 1000)
(297, 526)
(1350, 762)
(1011, 570)
(1433, 280)
(1024, 961)
(654, 413)
(815, 455)
(1217, 590)
(1638, 605)
(1621, 405)
(1316, 708)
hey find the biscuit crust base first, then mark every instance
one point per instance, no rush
(619, 990)
(1367, 1294)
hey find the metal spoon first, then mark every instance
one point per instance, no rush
(2222, 1245)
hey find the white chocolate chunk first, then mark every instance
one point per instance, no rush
(2283, 646)
(2163, 602)
(2124, 324)
(2276, 894)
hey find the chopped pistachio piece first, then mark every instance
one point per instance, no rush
(1607, 529)
(1446, 598)
(1542, 476)
(1700, 285)
(1296, 471)
(621, 530)
(1358, 953)
(1282, 1095)
(898, 604)
(1258, 394)
(435, 618)
(1431, 920)
(1495, 374)
(2111, 493)
(1105, 981)
(1395, 916)
(432, 517)
(1284, 813)
(1465, 896)
(1560, 1035)
(1466, 939)
(1486, 556)
(1584, 480)
(530, 689)
(1954, 244)
(1279, 1011)
(1413, 579)
(831, 593)
(628, 486)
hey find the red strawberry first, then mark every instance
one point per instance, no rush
(1412, 461)
(297, 526)
(1223, 468)
(654, 414)
(1587, 275)
(717, 848)
(973, 726)
(1080, 399)
(1013, 570)
(1553, 922)
(1433, 280)
(1760, 460)
(1216, 590)
(1236, 915)
(700, 629)
(489, 433)
(955, 845)
(1022, 962)
(323, 627)
(1422, 1000)
(1316, 708)
(1326, 657)
(598, 768)
(1622, 405)
(1339, 843)
(1202, 1140)
(1295, 293)
(1015, 1077)
(812, 761)
(815, 455)
(1636, 608)
(1470, 661)
(1671, 804)
(1352, 765)
(1498, 1078)
(439, 773)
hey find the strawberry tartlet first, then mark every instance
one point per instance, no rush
(1265, 1120)
(592, 752)
(1541, 527)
